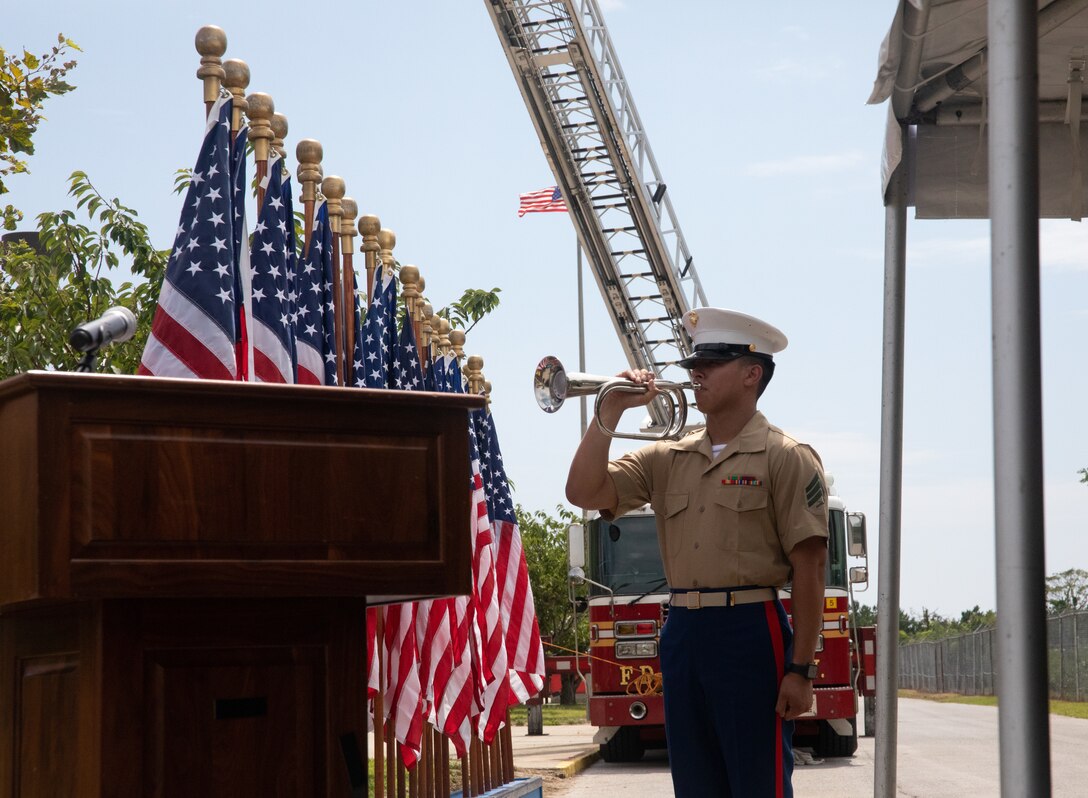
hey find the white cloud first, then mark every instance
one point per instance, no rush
(807, 165)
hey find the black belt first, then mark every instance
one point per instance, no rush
(694, 600)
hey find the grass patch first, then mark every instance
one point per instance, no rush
(554, 715)
(1071, 709)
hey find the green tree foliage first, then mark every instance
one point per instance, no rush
(864, 615)
(544, 540)
(1083, 475)
(26, 82)
(474, 304)
(50, 287)
(1067, 591)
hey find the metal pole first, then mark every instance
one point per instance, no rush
(891, 479)
(1018, 461)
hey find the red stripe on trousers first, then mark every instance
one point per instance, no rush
(771, 608)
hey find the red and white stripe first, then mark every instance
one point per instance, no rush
(184, 342)
(523, 647)
(271, 360)
(493, 692)
(311, 366)
(403, 696)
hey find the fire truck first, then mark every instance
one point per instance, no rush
(627, 601)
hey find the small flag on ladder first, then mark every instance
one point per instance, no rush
(547, 200)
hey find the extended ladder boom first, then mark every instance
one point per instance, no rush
(579, 101)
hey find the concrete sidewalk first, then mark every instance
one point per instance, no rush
(560, 751)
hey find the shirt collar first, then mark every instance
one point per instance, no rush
(752, 438)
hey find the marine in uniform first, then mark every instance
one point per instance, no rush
(741, 510)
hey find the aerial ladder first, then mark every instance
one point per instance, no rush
(566, 67)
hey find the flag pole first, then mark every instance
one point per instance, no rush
(349, 210)
(379, 707)
(211, 43)
(333, 189)
(261, 109)
(412, 290)
(426, 331)
(236, 81)
(308, 153)
(369, 225)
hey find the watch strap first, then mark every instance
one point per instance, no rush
(809, 670)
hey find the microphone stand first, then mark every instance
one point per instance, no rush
(86, 364)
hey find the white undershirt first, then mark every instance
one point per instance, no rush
(717, 448)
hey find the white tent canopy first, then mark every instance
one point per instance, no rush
(945, 106)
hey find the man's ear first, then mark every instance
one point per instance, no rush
(753, 374)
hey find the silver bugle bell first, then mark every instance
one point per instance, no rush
(552, 385)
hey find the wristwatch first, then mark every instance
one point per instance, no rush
(810, 671)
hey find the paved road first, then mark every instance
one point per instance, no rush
(945, 751)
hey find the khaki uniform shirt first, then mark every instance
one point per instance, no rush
(728, 522)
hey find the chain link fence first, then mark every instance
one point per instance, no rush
(965, 664)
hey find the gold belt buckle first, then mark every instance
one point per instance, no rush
(732, 598)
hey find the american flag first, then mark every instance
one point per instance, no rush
(523, 646)
(292, 266)
(407, 372)
(379, 334)
(403, 693)
(313, 317)
(194, 330)
(493, 681)
(243, 351)
(358, 369)
(272, 332)
(547, 200)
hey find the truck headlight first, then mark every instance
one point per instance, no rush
(636, 649)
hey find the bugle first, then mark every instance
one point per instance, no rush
(553, 385)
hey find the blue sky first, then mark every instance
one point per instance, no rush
(756, 114)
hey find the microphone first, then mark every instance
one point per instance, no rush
(116, 324)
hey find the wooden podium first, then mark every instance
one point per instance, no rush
(184, 571)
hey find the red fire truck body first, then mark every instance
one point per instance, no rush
(628, 605)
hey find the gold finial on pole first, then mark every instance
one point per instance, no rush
(487, 392)
(279, 133)
(443, 335)
(333, 189)
(308, 153)
(387, 239)
(369, 225)
(457, 343)
(411, 282)
(474, 373)
(236, 79)
(261, 109)
(211, 43)
(426, 328)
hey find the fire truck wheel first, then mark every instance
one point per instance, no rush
(625, 746)
(829, 743)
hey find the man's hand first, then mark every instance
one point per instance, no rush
(794, 696)
(618, 401)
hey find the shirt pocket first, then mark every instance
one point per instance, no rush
(676, 505)
(742, 510)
